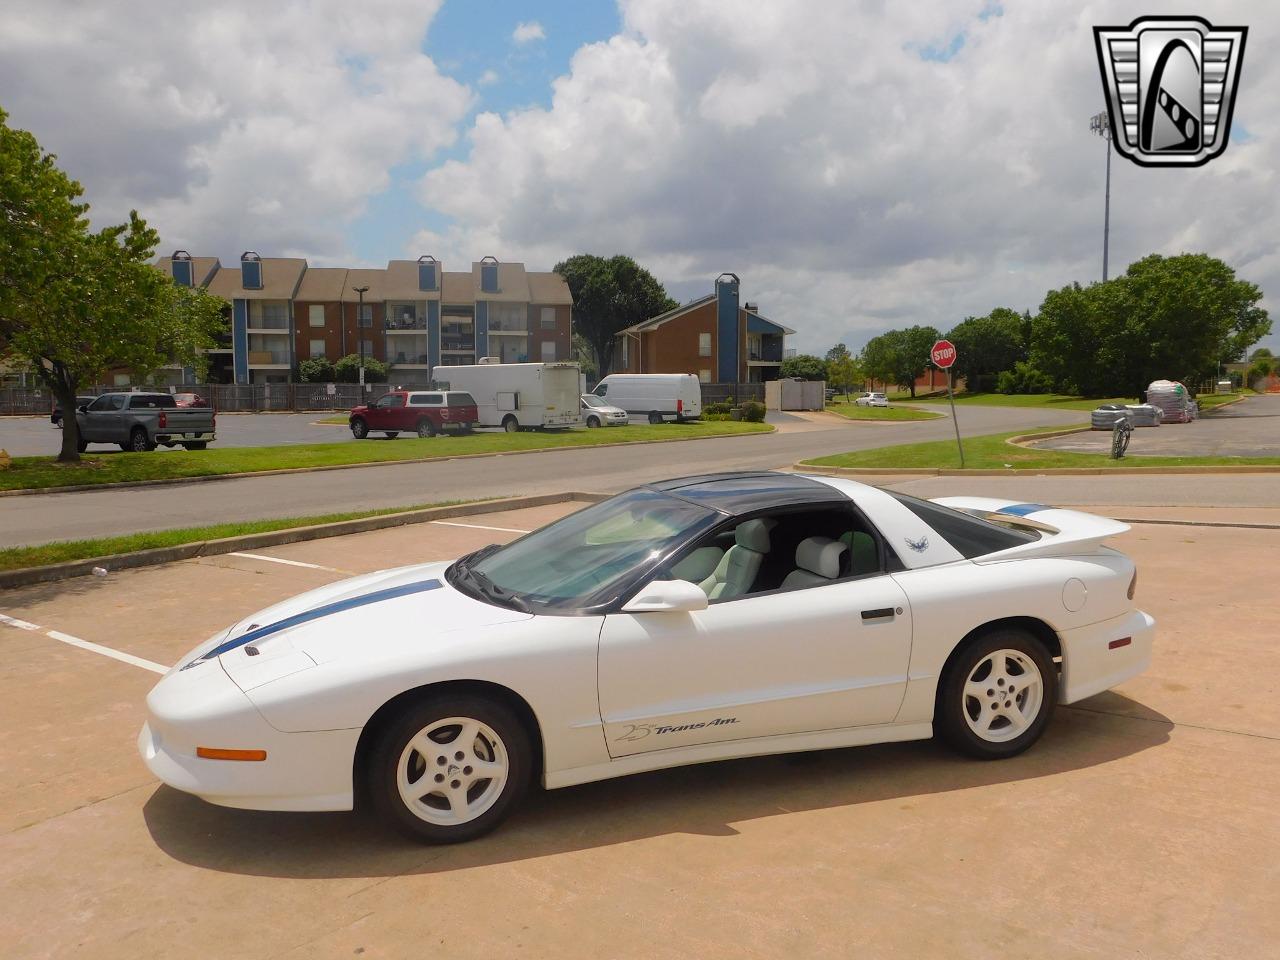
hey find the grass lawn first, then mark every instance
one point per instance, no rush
(1056, 401)
(17, 558)
(342, 419)
(991, 452)
(852, 411)
(42, 472)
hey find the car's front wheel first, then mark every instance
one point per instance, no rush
(426, 428)
(997, 695)
(593, 422)
(450, 768)
(359, 429)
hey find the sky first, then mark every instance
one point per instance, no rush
(859, 165)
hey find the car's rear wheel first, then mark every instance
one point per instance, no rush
(426, 428)
(593, 422)
(996, 696)
(510, 424)
(82, 445)
(359, 429)
(138, 441)
(450, 768)
(655, 417)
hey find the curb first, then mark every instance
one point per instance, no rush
(1029, 472)
(274, 538)
(175, 481)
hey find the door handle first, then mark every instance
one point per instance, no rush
(883, 613)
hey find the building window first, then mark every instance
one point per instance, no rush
(548, 318)
(626, 361)
(548, 351)
(366, 348)
(315, 314)
(704, 344)
(489, 275)
(250, 270)
(317, 348)
(704, 376)
(365, 313)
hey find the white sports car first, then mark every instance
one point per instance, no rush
(695, 619)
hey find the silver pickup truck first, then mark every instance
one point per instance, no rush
(141, 421)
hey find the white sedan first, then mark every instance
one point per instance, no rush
(872, 400)
(698, 619)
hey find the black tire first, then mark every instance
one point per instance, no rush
(655, 417)
(82, 445)
(953, 709)
(593, 422)
(138, 442)
(359, 429)
(510, 424)
(426, 428)
(392, 434)
(196, 445)
(394, 741)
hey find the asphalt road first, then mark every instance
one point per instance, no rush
(66, 516)
(1250, 428)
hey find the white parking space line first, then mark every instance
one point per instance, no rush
(291, 563)
(478, 526)
(85, 644)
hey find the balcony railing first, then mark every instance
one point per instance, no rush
(405, 323)
(458, 344)
(262, 357)
(401, 356)
(769, 353)
(508, 326)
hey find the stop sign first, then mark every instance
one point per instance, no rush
(943, 354)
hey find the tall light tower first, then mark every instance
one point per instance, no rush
(1100, 123)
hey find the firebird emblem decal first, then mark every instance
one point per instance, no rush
(919, 546)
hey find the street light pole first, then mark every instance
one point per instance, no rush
(1100, 124)
(360, 291)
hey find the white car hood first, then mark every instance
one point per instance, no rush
(356, 617)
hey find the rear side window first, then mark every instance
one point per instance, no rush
(151, 402)
(424, 400)
(970, 536)
(460, 400)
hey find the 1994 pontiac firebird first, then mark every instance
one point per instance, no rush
(697, 619)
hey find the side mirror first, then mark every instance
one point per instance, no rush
(83, 408)
(668, 596)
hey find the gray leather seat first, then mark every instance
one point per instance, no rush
(737, 569)
(817, 562)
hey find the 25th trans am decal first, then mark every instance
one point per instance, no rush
(638, 731)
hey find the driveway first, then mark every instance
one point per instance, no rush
(1250, 428)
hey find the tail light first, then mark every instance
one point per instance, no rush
(679, 406)
(1133, 585)
(164, 419)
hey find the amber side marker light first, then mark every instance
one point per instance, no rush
(218, 753)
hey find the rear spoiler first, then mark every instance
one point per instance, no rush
(1063, 533)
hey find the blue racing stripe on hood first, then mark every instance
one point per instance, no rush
(1022, 509)
(327, 610)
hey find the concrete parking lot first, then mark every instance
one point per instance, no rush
(1144, 824)
(1250, 428)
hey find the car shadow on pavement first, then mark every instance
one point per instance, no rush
(705, 800)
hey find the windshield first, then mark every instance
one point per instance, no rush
(580, 560)
(592, 401)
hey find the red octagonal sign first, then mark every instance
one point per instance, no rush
(943, 354)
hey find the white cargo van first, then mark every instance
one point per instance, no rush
(518, 396)
(656, 396)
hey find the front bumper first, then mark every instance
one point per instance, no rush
(202, 707)
(1090, 664)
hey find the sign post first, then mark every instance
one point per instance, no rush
(943, 356)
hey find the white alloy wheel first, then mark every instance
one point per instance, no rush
(452, 771)
(1003, 695)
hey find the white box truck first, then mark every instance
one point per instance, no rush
(654, 396)
(518, 396)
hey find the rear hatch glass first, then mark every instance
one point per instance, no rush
(460, 400)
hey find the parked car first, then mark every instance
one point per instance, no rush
(655, 396)
(55, 417)
(872, 400)
(190, 400)
(598, 413)
(1105, 416)
(142, 421)
(689, 620)
(424, 412)
(517, 396)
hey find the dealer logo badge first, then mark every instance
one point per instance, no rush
(1170, 84)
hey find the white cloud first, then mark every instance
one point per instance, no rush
(852, 184)
(266, 127)
(528, 32)
(488, 78)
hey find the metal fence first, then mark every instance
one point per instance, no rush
(226, 397)
(719, 392)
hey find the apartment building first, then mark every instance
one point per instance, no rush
(715, 337)
(412, 315)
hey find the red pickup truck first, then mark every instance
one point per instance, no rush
(424, 412)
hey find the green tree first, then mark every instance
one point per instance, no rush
(75, 303)
(838, 352)
(584, 357)
(347, 370)
(899, 356)
(610, 294)
(844, 373)
(986, 346)
(1164, 318)
(1260, 352)
(805, 366)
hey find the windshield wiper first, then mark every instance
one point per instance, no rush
(487, 587)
